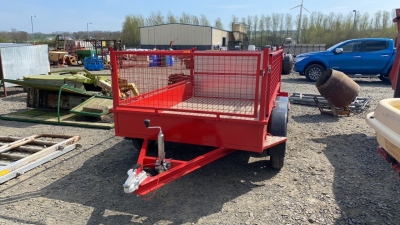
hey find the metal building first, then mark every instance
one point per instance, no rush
(183, 36)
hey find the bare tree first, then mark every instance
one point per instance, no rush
(267, 21)
(281, 26)
(255, 26)
(363, 24)
(171, 18)
(235, 19)
(204, 21)
(378, 20)
(261, 28)
(275, 25)
(288, 24)
(243, 19)
(385, 19)
(218, 24)
(305, 24)
(159, 18)
(155, 19)
(195, 20)
(185, 19)
(250, 24)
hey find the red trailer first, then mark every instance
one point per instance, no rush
(228, 100)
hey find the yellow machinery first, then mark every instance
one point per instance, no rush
(60, 56)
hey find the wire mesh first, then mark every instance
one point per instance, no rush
(274, 77)
(206, 83)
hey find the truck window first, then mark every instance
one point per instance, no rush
(372, 46)
(352, 47)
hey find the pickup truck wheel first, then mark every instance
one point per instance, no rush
(384, 79)
(313, 72)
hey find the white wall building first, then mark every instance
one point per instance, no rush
(183, 36)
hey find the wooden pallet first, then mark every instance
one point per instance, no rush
(46, 116)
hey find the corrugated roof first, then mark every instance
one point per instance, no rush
(8, 45)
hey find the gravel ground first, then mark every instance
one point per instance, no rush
(332, 175)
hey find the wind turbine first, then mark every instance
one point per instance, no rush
(299, 25)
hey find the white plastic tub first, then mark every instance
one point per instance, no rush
(385, 120)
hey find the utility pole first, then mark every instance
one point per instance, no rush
(87, 29)
(299, 25)
(354, 23)
(33, 35)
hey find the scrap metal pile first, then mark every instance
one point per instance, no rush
(77, 95)
(339, 95)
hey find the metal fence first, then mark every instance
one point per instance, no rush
(296, 49)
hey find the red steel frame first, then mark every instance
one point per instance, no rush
(395, 72)
(220, 130)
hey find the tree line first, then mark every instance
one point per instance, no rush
(315, 28)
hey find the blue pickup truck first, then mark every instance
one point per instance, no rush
(364, 56)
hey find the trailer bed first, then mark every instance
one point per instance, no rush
(228, 106)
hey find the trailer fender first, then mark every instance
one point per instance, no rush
(277, 125)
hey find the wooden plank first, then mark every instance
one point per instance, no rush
(95, 106)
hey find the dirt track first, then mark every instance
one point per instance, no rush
(332, 175)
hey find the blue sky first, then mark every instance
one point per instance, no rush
(108, 15)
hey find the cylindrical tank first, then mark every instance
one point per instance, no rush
(154, 60)
(339, 89)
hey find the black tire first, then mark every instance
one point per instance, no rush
(313, 72)
(287, 64)
(137, 143)
(384, 79)
(277, 162)
(278, 126)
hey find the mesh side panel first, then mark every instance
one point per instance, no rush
(201, 83)
(225, 77)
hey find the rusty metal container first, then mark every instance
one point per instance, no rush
(339, 89)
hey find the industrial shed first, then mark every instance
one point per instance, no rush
(183, 36)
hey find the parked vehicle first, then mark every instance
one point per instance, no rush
(228, 100)
(364, 56)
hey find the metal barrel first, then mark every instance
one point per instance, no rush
(339, 89)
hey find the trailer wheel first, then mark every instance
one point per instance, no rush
(287, 64)
(137, 143)
(277, 126)
(277, 162)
